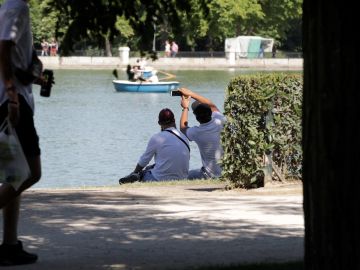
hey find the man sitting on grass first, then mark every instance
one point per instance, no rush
(206, 135)
(170, 150)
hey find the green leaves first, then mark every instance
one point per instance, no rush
(196, 24)
(264, 116)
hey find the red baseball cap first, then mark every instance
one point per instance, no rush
(166, 116)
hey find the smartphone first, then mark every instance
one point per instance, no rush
(176, 93)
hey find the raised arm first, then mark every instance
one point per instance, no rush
(185, 103)
(201, 99)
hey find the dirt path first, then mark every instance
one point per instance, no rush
(161, 227)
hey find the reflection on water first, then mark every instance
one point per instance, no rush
(91, 135)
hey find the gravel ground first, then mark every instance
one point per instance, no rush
(162, 227)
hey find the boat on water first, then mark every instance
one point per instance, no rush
(145, 86)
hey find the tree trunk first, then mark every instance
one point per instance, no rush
(108, 47)
(331, 135)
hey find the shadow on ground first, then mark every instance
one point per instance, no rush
(122, 229)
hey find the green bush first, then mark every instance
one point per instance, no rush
(264, 117)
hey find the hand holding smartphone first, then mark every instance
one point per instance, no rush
(176, 93)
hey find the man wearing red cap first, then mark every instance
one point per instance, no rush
(206, 135)
(170, 150)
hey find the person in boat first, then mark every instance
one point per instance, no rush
(170, 150)
(206, 135)
(141, 63)
(153, 77)
(134, 74)
(130, 73)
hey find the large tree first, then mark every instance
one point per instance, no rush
(97, 18)
(195, 24)
(44, 20)
(330, 135)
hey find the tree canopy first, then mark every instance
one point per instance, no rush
(195, 24)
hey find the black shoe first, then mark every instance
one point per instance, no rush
(131, 178)
(15, 255)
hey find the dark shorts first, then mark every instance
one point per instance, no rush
(25, 129)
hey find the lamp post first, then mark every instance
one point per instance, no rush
(154, 20)
(154, 40)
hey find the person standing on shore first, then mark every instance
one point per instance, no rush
(44, 48)
(53, 47)
(17, 103)
(174, 49)
(206, 135)
(167, 48)
(273, 51)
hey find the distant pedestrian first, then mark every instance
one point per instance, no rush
(167, 49)
(44, 48)
(174, 49)
(261, 52)
(274, 51)
(53, 47)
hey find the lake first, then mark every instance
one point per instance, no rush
(91, 135)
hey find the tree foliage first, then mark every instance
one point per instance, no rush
(195, 24)
(264, 117)
(44, 20)
(98, 18)
(230, 18)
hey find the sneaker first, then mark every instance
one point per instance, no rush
(15, 255)
(131, 178)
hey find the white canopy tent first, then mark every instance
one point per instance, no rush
(248, 46)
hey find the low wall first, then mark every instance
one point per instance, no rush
(83, 62)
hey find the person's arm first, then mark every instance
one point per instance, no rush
(5, 62)
(185, 103)
(8, 78)
(147, 155)
(201, 99)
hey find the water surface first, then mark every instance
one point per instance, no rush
(91, 135)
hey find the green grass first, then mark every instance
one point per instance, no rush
(177, 182)
(145, 184)
(260, 266)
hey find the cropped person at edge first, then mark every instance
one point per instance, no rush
(206, 135)
(17, 103)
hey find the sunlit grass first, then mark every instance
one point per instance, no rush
(177, 182)
(183, 182)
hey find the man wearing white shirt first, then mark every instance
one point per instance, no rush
(170, 150)
(206, 135)
(17, 104)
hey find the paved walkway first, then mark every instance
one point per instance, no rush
(155, 227)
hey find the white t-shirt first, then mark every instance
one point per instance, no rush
(15, 26)
(170, 154)
(207, 137)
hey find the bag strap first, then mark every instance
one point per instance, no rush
(4, 125)
(188, 147)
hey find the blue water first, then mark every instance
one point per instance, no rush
(91, 135)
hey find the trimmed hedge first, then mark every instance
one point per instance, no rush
(264, 117)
